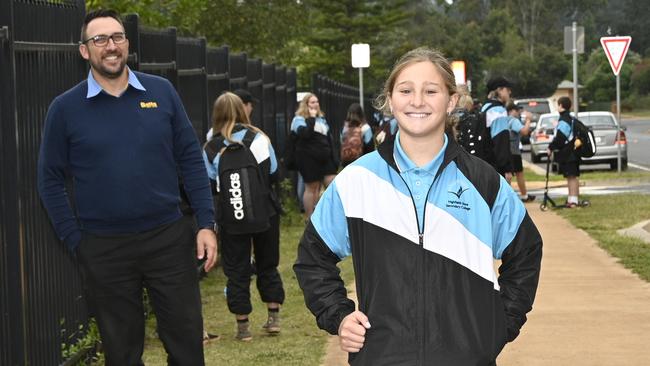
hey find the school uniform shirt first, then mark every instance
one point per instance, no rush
(562, 139)
(260, 147)
(423, 242)
(498, 121)
(313, 138)
(515, 127)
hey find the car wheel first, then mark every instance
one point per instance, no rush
(614, 165)
(534, 157)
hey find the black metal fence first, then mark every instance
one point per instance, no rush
(41, 296)
(335, 98)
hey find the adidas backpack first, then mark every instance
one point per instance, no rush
(352, 145)
(243, 198)
(584, 143)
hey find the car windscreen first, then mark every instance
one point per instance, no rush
(598, 121)
(547, 123)
(535, 107)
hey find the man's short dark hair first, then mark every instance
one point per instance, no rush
(100, 13)
(565, 102)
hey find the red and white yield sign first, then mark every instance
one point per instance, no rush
(616, 49)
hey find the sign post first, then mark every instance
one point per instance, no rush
(615, 50)
(574, 43)
(360, 59)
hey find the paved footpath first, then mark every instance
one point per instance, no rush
(589, 310)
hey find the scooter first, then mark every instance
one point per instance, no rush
(544, 206)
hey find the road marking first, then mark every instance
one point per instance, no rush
(638, 167)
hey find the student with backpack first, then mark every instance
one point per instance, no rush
(241, 161)
(563, 149)
(494, 113)
(356, 136)
(470, 130)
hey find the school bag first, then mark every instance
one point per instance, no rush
(584, 143)
(383, 131)
(242, 203)
(352, 145)
(474, 135)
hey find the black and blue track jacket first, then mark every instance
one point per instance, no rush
(429, 289)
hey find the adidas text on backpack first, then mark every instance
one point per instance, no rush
(352, 145)
(243, 198)
(584, 143)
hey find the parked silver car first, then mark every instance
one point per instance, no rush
(542, 135)
(605, 128)
(536, 107)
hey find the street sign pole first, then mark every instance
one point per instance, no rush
(361, 86)
(574, 29)
(618, 118)
(615, 50)
(360, 59)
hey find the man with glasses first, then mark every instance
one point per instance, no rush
(123, 136)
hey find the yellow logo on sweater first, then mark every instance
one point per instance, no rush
(148, 105)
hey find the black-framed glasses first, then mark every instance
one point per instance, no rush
(101, 40)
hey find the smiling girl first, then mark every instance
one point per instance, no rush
(424, 222)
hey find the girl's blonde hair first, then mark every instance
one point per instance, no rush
(421, 54)
(228, 109)
(465, 101)
(303, 107)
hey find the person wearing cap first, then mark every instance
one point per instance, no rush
(248, 100)
(518, 129)
(497, 121)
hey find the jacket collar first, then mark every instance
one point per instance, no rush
(387, 149)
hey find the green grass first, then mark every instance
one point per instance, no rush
(610, 213)
(299, 343)
(612, 177)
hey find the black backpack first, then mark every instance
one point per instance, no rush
(242, 203)
(474, 135)
(586, 148)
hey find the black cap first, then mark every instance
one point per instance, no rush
(498, 82)
(245, 96)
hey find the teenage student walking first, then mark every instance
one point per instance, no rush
(231, 125)
(424, 221)
(123, 136)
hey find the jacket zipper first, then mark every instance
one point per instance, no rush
(421, 292)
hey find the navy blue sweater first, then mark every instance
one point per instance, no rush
(124, 154)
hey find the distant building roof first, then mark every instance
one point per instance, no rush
(566, 84)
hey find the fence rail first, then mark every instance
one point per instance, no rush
(42, 300)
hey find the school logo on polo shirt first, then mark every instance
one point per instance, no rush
(148, 105)
(456, 197)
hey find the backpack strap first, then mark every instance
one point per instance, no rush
(249, 136)
(212, 149)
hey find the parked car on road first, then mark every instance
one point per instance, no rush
(536, 107)
(605, 128)
(542, 135)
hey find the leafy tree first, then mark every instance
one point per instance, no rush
(600, 82)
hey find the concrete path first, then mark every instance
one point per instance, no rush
(589, 310)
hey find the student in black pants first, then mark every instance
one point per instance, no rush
(231, 124)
